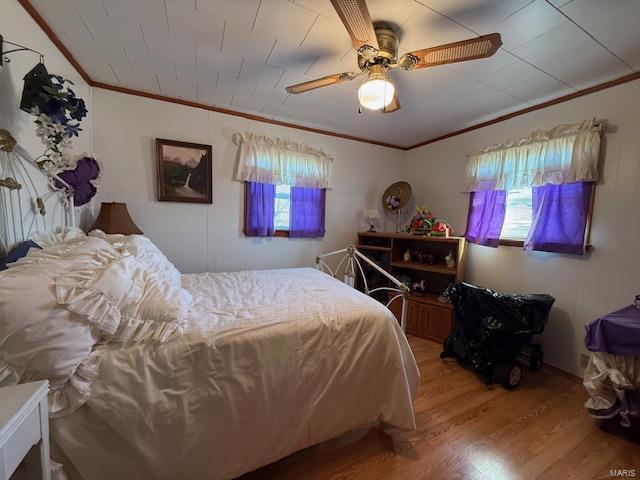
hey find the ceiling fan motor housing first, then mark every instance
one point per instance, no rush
(388, 44)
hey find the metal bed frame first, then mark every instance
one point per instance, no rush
(29, 199)
(350, 259)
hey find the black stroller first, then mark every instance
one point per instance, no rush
(492, 330)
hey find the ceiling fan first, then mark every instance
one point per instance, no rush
(377, 49)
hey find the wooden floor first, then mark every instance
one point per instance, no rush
(466, 430)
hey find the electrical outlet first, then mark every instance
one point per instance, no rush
(584, 360)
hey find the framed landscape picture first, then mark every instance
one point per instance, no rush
(184, 171)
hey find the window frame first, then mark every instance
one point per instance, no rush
(587, 231)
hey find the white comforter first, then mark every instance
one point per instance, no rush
(272, 362)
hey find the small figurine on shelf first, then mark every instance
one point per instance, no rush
(407, 256)
(419, 288)
(449, 260)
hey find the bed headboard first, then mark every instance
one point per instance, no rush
(29, 199)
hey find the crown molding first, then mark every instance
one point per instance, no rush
(26, 4)
(249, 116)
(580, 93)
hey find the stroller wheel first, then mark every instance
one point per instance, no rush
(535, 361)
(513, 377)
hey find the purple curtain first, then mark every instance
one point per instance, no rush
(486, 216)
(559, 218)
(307, 212)
(259, 204)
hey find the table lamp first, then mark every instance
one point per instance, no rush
(114, 218)
(373, 220)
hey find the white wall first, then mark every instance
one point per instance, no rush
(17, 26)
(200, 237)
(584, 287)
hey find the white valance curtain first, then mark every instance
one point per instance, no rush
(564, 154)
(276, 161)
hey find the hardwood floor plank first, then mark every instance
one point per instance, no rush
(466, 430)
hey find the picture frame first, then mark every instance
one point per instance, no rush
(184, 171)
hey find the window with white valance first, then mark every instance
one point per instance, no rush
(565, 154)
(535, 191)
(281, 162)
(285, 186)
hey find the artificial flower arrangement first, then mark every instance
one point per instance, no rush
(424, 222)
(59, 115)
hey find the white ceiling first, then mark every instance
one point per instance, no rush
(241, 54)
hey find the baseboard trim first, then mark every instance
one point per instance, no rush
(558, 371)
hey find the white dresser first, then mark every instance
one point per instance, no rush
(24, 423)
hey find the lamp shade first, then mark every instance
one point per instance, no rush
(114, 218)
(373, 213)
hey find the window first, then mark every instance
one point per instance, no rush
(518, 215)
(282, 211)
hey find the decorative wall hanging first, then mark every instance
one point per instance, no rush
(59, 113)
(394, 198)
(184, 171)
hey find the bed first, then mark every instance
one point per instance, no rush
(253, 380)
(158, 375)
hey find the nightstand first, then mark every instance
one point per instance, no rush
(24, 423)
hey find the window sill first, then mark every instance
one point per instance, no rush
(511, 243)
(281, 233)
(520, 243)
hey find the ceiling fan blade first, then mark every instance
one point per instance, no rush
(321, 82)
(393, 106)
(356, 19)
(479, 47)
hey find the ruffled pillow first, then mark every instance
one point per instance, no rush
(61, 305)
(60, 236)
(40, 339)
(125, 300)
(146, 252)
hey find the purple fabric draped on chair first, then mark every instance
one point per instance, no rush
(559, 218)
(307, 212)
(259, 205)
(486, 216)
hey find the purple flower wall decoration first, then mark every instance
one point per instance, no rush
(83, 180)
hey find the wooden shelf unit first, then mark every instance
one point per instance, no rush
(427, 317)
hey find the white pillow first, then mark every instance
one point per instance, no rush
(60, 236)
(40, 339)
(130, 299)
(146, 252)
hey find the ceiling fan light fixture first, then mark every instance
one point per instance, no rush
(376, 93)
